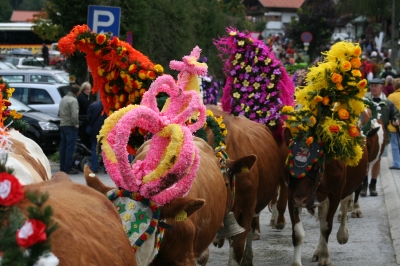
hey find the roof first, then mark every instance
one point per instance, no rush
(22, 16)
(282, 3)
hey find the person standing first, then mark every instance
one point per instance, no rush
(45, 54)
(394, 130)
(388, 88)
(95, 118)
(84, 102)
(69, 124)
(388, 113)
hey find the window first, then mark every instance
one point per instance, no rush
(273, 18)
(39, 96)
(42, 78)
(21, 94)
(14, 78)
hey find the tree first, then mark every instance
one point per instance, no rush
(31, 5)
(5, 11)
(316, 17)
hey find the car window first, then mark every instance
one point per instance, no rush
(21, 94)
(63, 90)
(63, 77)
(39, 96)
(13, 78)
(42, 78)
(37, 63)
(11, 60)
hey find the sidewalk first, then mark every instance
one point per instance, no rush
(390, 183)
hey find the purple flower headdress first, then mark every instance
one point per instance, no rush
(257, 85)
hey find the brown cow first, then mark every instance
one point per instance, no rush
(254, 192)
(90, 231)
(187, 243)
(334, 187)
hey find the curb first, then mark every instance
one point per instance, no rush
(391, 198)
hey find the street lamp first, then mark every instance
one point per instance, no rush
(349, 29)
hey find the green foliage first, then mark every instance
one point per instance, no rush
(13, 254)
(317, 17)
(380, 10)
(30, 5)
(292, 68)
(5, 11)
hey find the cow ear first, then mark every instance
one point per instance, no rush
(180, 205)
(373, 131)
(242, 165)
(288, 136)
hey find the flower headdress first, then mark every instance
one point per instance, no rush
(121, 73)
(9, 118)
(330, 105)
(171, 164)
(257, 85)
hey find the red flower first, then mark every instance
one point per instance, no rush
(11, 191)
(32, 232)
(334, 128)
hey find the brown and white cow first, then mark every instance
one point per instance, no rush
(338, 182)
(27, 159)
(89, 227)
(254, 191)
(187, 243)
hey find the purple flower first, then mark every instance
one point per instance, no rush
(237, 67)
(238, 108)
(252, 80)
(246, 75)
(243, 100)
(257, 95)
(277, 71)
(242, 113)
(250, 89)
(241, 76)
(258, 78)
(255, 69)
(233, 72)
(252, 116)
(243, 89)
(251, 102)
(237, 86)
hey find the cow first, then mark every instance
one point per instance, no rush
(89, 227)
(255, 191)
(207, 202)
(338, 182)
(27, 159)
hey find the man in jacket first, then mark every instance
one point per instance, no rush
(69, 124)
(389, 114)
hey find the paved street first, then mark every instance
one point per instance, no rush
(374, 239)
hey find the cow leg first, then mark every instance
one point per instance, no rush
(297, 233)
(343, 234)
(274, 215)
(356, 213)
(248, 252)
(281, 206)
(349, 203)
(255, 224)
(203, 259)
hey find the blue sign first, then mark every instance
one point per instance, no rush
(103, 19)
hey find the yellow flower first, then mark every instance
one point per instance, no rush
(256, 85)
(236, 95)
(343, 114)
(339, 86)
(267, 60)
(232, 33)
(245, 83)
(356, 73)
(247, 109)
(309, 140)
(251, 95)
(242, 64)
(272, 76)
(345, 65)
(248, 68)
(234, 62)
(240, 43)
(313, 120)
(336, 78)
(355, 62)
(238, 56)
(362, 84)
(159, 69)
(235, 80)
(287, 109)
(272, 123)
(318, 98)
(263, 75)
(357, 50)
(256, 59)
(270, 86)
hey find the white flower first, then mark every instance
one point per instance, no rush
(5, 188)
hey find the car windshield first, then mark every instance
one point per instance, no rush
(18, 106)
(63, 77)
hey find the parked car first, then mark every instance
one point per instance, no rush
(34, 75)
(44, 97)
(5, 65)
(25, 62)
(44, 129)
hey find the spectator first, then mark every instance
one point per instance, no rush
(95, 118)
(388, 88)
(84, 102)
(394, 130)
(388, 71)
(45, 54)
(69, 124)
(388, 113)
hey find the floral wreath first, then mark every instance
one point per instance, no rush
(330, 105)
(23, 241)
(170, 165)
(9, 118)
(257, 85)
(121, 73)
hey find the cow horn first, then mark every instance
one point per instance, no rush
(230, 228)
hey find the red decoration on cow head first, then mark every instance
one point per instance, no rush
(11, 191)
(32, 232)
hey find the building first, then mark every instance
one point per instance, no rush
(23, 16)
(275, 13)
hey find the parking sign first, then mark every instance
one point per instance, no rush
(103, 19)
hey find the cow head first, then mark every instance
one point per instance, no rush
(302, 189)
(236, 170)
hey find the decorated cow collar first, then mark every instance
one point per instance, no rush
(302, 158)
(140, 217)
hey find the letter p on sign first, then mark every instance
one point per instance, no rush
(104, 19)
